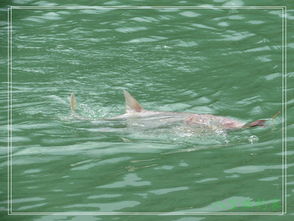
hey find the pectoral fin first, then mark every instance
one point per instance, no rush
(132, 105)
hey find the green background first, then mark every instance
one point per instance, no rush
(217, 61)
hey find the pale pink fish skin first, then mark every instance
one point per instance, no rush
(191, 119)
(213, 121)
(135, 111)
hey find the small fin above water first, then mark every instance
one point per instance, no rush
(73, 102)
(132, 105)
(275, 115)
(73, 106)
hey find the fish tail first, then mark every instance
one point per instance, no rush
(73, 106)
(73, 102)
(275, 115)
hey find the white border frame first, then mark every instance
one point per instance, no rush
(284, 110)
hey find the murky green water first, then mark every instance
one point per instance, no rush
(215, 61)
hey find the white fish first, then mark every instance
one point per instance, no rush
(135, 111)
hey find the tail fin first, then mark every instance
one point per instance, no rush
(275, 115)
(73, 106)
(73, 102)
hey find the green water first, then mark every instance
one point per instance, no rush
(214, 61)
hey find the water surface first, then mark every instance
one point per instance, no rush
(213, 61)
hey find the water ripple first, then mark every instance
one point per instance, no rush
(168, 190)
(106, 207)
(204, 61)
(252, 169)
(131, 179)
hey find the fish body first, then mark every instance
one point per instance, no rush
(136, 114)
(135, 110)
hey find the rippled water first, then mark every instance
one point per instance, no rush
(213, 61)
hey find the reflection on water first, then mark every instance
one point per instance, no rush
(236, 202)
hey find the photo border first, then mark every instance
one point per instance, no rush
(284, 109)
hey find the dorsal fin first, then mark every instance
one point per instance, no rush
(131, 104)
